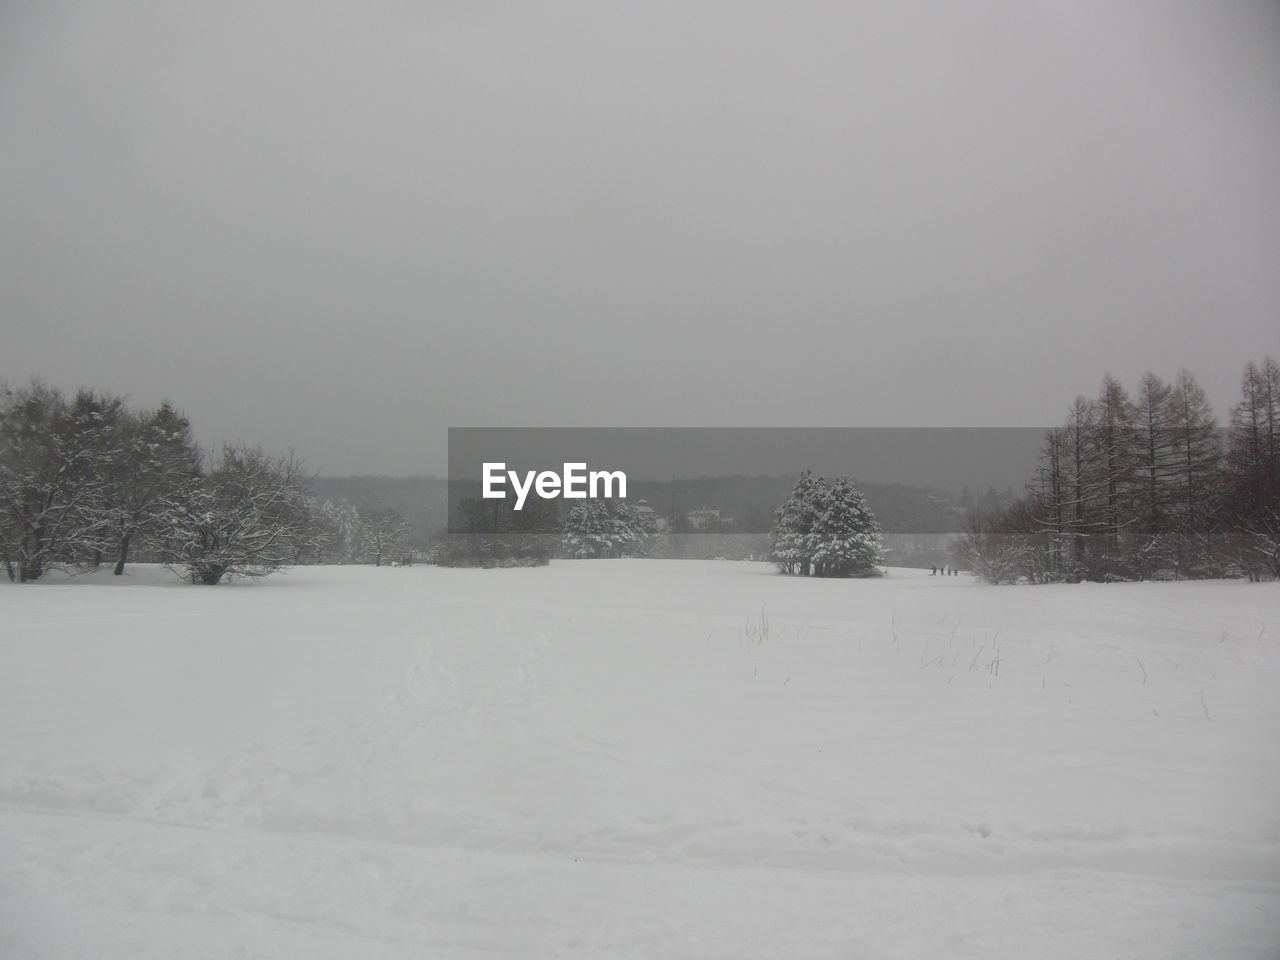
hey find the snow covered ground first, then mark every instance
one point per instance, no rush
(637, 759)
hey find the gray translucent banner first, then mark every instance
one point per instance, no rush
(700, 481)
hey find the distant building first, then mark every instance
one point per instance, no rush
(708, 518)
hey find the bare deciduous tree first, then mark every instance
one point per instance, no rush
(384, 536)
(243, 518)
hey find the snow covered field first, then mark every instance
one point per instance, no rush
(637, 759)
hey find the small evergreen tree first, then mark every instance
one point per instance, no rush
(825, 531)
(793, 522)
(631, 528)
(604, 528)
(845, 539)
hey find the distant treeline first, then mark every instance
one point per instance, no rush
(431, 504)
(1132, 486)
(1144, 485)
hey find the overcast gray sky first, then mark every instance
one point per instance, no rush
(344, 227)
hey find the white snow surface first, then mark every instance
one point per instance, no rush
(637, 758)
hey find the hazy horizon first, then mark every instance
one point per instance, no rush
(344, 230)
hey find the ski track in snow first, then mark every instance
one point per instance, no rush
(609, 759)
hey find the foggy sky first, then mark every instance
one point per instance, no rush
(342, 228)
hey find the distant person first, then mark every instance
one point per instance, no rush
(933, 571)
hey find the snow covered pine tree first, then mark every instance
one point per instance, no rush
(605, 528)
(826, 530)
(845, 540)
(792, 523)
